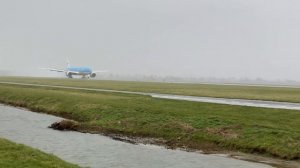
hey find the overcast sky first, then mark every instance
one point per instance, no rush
(193, 38)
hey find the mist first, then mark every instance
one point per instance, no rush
(180, 38)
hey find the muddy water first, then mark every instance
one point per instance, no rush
(89, 150)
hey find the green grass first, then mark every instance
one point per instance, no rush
(14, 155)
(244, 92)
(195, 125)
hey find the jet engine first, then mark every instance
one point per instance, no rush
(69, 74)
(93, 75)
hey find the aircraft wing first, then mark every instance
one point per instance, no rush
(55, 70)
(74, 72)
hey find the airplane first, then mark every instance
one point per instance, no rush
(70, 71)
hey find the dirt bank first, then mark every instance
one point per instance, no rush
(69, 125)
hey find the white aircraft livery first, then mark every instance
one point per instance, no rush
(70, 71)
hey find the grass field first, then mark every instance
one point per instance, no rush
(244, 92)
(181, 123)
(14, 155)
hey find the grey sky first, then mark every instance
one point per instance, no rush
(195, 38)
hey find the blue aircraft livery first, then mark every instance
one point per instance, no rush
(70, 71)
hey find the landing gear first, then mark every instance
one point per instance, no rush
(84, 77)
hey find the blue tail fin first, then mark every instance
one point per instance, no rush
(68, 63)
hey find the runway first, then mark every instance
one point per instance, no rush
(239, 102)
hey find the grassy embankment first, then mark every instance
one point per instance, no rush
(15, 155)
(244, 92)
(181, 123)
